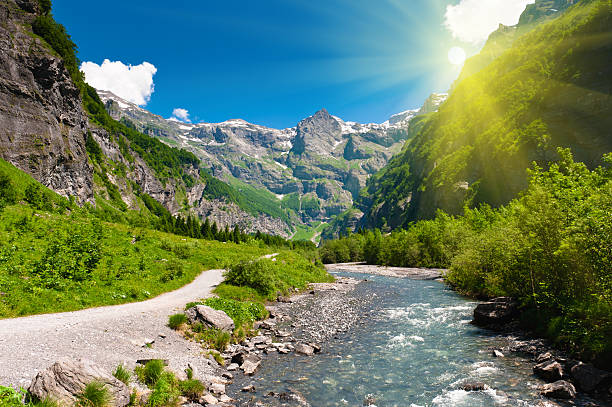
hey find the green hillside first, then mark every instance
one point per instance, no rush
(552, 88)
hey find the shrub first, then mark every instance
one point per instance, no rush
(8, 194)
(165, 391)
(176, 320)
(34, 196)
(122, 374)
(258, 275)
(151, 372)
(192, 389)
(95, 394)
(173, 270)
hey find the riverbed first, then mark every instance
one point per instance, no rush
(411, 345)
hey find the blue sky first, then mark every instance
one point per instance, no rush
(274, 62)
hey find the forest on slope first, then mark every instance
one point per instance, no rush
(552, 88)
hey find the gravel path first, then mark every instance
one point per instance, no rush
(106, 335)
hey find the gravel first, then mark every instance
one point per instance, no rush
(107, 336)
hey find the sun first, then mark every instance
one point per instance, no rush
(456, 56)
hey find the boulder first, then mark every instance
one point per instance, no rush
(474, 386)
(587, 377)
(549, 370)
(497, 311)
(559, 390)
(248, 389)
(65, 380)
(210, 317)
(249, 367)
(543, 357)
(304, 349)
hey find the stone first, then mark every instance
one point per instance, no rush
(242, 357)
(217, 388)
(304, 349)
(210, 317)
(248, 389)
(474, 386)
(209, 399)
(549, 370)
(233, 366)
(497, 311)
(284, 299)
(227, 375)
(145, 361)
(547, 403)
(224, 398)
(498, 354)
(560, 389)
(587, 377)
(543, 357)
(249, 367)
(66, 379)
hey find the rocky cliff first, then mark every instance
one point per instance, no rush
(42, 121)
(46, 131)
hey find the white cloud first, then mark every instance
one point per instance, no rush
(180, 115)
(473, 20)
(130, 82)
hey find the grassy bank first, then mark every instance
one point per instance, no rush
(56, 256)
(551, 249)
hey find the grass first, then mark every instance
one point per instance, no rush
(122, 374)
(214, 339)
(10, 397)
(192, 389)
(176, 321)
(150, 373)
(242, 312)
(95, 394)
(217, 356)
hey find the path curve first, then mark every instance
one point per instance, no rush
(106, 335)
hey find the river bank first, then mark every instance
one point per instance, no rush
(353, 323)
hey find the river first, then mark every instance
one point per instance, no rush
(413, 346)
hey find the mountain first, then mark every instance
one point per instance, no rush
(311, 172)
(55, 128)
(551, 87)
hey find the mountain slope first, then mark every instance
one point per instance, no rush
(307, 173)
(54, 127)
(551, 88)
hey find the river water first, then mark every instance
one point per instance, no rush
(413, 347)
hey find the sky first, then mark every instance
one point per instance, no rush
(275, 62)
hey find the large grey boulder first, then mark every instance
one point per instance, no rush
(549, 370)
(65, 380)
(587, 377)
(497, 311)
(210, 317)
(559, 390)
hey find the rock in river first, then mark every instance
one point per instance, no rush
(210, 317)
(499, 310)
(559, 390)
(549, 370)
(588, 377)
(65, 380)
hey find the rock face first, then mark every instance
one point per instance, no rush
(42, 122)
(559, 390)
(210, 317)
(497, 311)
(65, 380)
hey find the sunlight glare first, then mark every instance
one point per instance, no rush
(456, 56)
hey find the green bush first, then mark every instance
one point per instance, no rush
(121, 373)
(192, 389)
(95, 394)
(151, 372)
(241, 312)
(257, 275)
(176, 320)
(165, 391)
